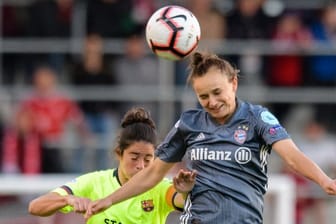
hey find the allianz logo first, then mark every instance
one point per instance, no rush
(241, 155)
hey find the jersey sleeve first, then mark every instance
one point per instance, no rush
(269, 128)
(166, 196)
(173, 147)
(81, 186)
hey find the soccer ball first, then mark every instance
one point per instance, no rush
(172, 32)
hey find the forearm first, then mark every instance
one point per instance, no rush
(47, 205)
(141, 182)
(307, 168)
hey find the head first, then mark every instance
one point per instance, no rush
(93, 53)
(215, 83)
(329, 17)
(136, 143)
(314, 130)
(249, 8)
(135, 47)
(45, 80)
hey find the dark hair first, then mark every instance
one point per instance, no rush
(137, 125)
(201, 62)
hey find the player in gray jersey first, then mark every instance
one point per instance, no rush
(227, 143)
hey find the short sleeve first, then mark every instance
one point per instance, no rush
(172, 149)
(269, 128)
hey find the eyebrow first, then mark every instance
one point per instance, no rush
(137, 154)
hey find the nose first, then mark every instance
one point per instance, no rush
(140, 164)
(212, 101)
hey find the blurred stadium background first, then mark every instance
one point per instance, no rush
(54, 32)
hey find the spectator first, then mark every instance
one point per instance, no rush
(212, 22)
(137, 68)
(49, 19)
(12, 22)
(291, 36)
(323, 67)
(21, 146)
(142, 10)
(92, 71)
(110, 18)
(286, 69)
(41, 121)
(247, 21)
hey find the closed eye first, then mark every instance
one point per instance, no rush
(203, 97)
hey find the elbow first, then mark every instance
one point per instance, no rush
(292, 165)
(34, 210)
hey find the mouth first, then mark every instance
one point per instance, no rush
(216, 110)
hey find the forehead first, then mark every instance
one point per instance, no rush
(214, 78)
(141, 147)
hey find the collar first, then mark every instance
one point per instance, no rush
(116, 175)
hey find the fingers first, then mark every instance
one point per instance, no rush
(79, 204)
(94, 208)
(89, 211)
(186, 175)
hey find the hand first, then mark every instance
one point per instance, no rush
(79, 205)
(330, 187)
(96, 207)
(184, 181)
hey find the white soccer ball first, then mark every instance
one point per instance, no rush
(173, 32)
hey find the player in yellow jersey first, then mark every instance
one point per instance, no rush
(135, 151)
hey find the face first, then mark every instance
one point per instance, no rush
(44, 80)
(135, 158)
(217, 94)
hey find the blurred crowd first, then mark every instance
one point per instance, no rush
(32, 133)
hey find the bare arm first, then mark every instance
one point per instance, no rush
(303, 165)
(50, 203)
(138, 184)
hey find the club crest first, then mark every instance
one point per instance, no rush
(240, 136)
(147, 205)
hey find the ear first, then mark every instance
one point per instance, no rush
(235, 84)
(118, 153)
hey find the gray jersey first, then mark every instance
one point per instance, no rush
(230, 159)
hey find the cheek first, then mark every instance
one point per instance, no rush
(203, 102)
(128, 167)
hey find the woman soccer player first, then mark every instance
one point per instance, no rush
(135, 151)
(227, 143)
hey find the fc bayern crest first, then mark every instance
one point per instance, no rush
(147, 205)
(240, 136)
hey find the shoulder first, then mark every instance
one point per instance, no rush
(249, 109)
(91, 183)
(190, 119)
(192, 114)
(95, 176)
(255, 114)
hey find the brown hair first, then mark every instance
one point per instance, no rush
(136, 125)
(201, 62)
